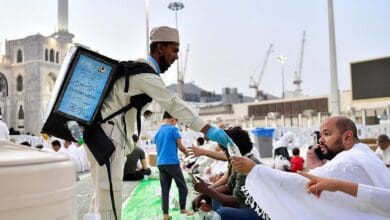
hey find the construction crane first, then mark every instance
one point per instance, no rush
(182, 73)
(297, 73)
(259, 95)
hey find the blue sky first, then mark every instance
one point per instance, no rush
(228, 39)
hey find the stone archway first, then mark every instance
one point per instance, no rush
(48, 85)
(3, 85)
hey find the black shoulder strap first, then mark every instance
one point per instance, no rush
(119, 111)
(111, 188)
(138, 102)
(129, 68)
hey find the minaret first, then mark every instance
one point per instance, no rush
(62, 33)
(62, 15)
(334, 83)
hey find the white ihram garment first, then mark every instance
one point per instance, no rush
(283, 195)
(374, 199)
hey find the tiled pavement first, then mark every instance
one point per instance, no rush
(85, 192)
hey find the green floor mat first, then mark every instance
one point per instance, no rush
(145, 202)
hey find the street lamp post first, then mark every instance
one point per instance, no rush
(282, 59)
(176, 6)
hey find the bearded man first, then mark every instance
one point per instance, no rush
(282, 195)
(164, 49)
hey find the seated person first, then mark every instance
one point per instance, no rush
(205, 155)
(282, 144)
(191, 161)
(56, 145)
(216, 170)
(383, 150)
(281, 155)
(131, 172)
(228, 200)
(296, 161)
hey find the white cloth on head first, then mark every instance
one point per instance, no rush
(283, 195)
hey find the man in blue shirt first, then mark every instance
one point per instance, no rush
(168, 140)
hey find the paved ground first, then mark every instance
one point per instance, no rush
(85, 192)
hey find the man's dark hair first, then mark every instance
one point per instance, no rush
(39, 146)
(295, 151)
(383, 138)
(56, 142)
(344, 124)
(167, 115)
(135, 138)
(153, 46)
(241, 139)
(147, 112)
(200, 141)
(12, 131)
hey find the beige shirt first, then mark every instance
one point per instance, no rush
(152, 85)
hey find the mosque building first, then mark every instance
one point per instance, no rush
(28, 71)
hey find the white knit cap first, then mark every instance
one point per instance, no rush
(164, 34)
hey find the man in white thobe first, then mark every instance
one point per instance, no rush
(282, 195)
(164, 50)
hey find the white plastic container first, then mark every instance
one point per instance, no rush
(36, 185)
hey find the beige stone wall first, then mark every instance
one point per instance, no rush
(34, 69)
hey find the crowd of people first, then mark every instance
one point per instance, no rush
(348, 180)
(346, 165)
(247, 189)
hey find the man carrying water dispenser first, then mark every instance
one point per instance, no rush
(164, 50)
